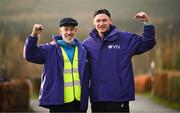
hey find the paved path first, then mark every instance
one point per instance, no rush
(141, 105)
(36, 108)
(145, 105)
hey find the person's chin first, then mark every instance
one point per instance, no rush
(103, 30)
(69, 41)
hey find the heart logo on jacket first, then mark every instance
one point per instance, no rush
(110, 46)
(114, 46)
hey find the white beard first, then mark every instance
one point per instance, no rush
(68, 41)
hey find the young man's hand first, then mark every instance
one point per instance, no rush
(142, 16)
(37, 28)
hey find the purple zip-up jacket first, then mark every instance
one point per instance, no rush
(52, 83)
(111, 67)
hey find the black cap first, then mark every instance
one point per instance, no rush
(68, 21)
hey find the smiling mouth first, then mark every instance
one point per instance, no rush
(69, 37)
(101, 27)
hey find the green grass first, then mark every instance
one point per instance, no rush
(34, 95)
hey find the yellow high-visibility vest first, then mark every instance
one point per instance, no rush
(72, 86)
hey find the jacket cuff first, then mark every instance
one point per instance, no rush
(148, 23)
(33, 39)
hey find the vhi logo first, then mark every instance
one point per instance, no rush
(114, 46)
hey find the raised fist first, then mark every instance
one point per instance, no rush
(142, 16)
(37, 28)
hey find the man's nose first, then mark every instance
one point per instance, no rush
(101, 23)
(69, 31)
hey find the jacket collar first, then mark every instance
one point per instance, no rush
(66, 45)
(58, 38)
(108, 35)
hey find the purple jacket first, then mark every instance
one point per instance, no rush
(111, 67)
(52, 84)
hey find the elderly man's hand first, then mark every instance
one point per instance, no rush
(37, 28)
(142, 16)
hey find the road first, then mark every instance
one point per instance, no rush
(142, 104)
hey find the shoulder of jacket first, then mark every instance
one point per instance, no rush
(88, 39)
(52, 42)
(125, 33)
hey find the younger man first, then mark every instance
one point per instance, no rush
(111, 51)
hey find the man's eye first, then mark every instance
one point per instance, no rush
(98, 20)
(104, 20)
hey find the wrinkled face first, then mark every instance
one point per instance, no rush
(68, 33)
(102, 23)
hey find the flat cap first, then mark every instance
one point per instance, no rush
(68, 21)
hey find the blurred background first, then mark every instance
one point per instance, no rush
(17, 18)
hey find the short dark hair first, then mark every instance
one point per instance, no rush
(102, 11)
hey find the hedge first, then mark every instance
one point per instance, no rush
(143, 83)
(14, 96)
(166, 85)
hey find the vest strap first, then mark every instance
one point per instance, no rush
(70, 84)
(68, 71)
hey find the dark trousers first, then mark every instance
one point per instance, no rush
(67, 107)
(119, 107)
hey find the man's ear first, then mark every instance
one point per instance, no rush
(111, 21)
(75, 29)
(59, 31)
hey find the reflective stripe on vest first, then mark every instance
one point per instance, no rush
(72, 87)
